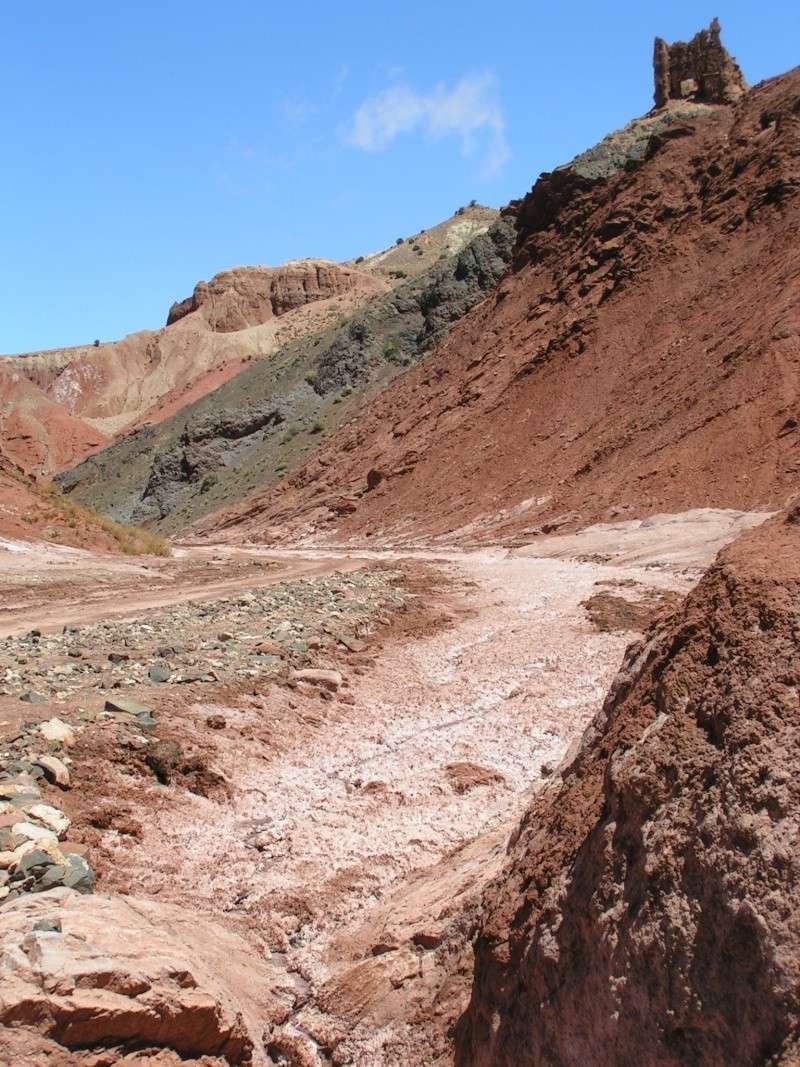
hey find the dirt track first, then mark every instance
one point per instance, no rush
(86, 588)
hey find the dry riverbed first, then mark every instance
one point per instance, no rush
(325, 768)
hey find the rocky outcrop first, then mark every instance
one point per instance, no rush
(701, 70)
(119, 975)
(205, 446)
(249, 296)
(648, 910)
(402, 326)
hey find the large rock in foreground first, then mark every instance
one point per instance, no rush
(649, 912)
(122, 974)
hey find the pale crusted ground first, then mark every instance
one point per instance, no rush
(340, 808)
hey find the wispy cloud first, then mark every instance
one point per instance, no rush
(469, 111)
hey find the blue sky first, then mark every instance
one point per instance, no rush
(148, 145)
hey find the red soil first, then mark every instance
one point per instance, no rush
(648, 910)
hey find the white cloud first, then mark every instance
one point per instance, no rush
(469, 111)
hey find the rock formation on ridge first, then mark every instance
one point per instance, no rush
(701, 70)
(261, 423)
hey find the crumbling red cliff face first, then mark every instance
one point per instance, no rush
(641, 356)
(648, 911)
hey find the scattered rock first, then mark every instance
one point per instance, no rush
(32, 697)
(158, 673)
(465, 776)
(127, 705)
(326, 679)
(78, 874)
(54, 770)
(50, 817)
(34, 832)
(57, 730)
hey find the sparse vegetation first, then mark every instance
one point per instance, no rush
(317, 426)
(131, 540)
(399, 240)
(311, 377)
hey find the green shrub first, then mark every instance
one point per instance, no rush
(317, 426)
(311, 377)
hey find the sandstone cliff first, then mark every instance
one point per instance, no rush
(250, 296)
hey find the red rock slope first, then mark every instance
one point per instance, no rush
(648, 912)
(641, 356)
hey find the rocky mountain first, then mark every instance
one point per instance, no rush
(261, 423)
(98, 391)
(640, 356)
(59, 406)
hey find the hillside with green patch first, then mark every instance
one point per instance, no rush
(258, 426)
